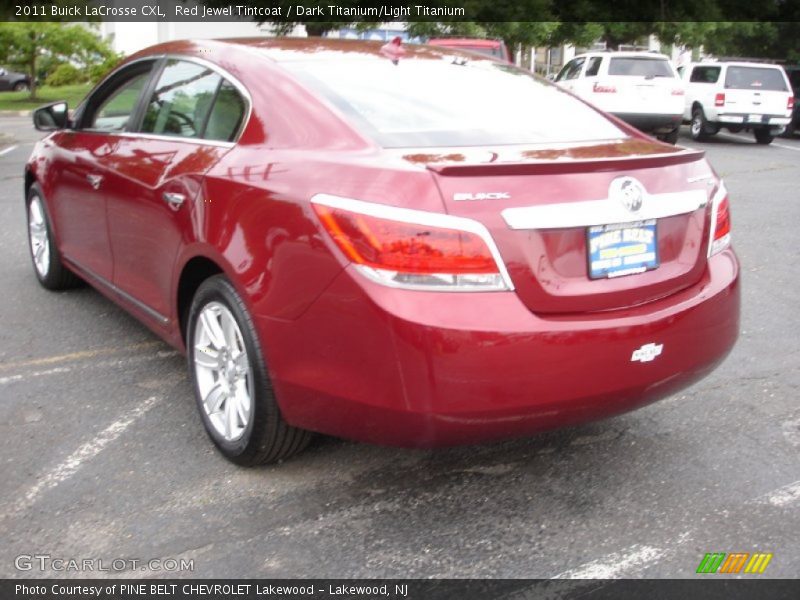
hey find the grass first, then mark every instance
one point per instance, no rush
(73, 94)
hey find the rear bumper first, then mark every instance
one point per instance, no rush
(744, 119)
(659, 123)
(429, 369)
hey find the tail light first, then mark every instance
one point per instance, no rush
(790, 103)
(413, 249)
(678, 92)
(720, 222)
(719, 100)
(604, 88)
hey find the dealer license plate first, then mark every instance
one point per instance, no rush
(622, 249)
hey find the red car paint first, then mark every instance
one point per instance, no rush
(354, 358)
(495, 48)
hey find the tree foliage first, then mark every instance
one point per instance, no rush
(23, 45)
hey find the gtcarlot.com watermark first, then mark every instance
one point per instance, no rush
(59, 564)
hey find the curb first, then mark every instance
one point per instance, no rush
(15, 113)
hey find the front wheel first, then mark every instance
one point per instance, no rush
(232, 388)
(47, 264)
(763, 136)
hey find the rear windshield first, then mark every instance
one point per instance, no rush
(451, 102)
(640, 67)
(755, 78)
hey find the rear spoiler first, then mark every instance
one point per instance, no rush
(554, 167)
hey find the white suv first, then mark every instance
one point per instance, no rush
(737, 95)
(641, 88)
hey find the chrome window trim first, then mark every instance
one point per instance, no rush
(419, 217)
(564, 215)
(202, 62)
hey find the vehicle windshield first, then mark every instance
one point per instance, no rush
(451, 102)
(640, 67)
(755, 78)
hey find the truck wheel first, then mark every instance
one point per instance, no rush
(763, 136)
(700, 128)
(671, 137)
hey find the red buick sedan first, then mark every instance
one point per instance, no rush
(358, 240)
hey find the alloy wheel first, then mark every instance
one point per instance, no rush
(38, 237)
(222, 370)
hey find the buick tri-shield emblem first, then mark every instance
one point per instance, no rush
(628, 191)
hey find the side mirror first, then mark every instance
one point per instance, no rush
(551, 77)
(51, 117)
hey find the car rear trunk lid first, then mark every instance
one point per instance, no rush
(538, 204)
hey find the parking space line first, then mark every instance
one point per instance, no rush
(7, 150)
(116, 362)
(76, 356)
(613, 565)
(19, 377)
(621, 564)
(783, 496)
(89, 450)
(786, 147)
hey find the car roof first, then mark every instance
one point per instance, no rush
(279, 49)
(630, 53)
(734, 63)
(465, 42)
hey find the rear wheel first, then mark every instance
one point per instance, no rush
(763, 136)
(21, 86)
(671, 137)
(232, 388)
(47, 264)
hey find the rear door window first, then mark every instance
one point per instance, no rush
(593, 68)
(640, 67)
(705, 75)
(226, 116)
(755, 78)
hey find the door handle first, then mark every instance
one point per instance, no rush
(94, 180)
(173, 199)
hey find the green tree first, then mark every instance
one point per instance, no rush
(24, 44)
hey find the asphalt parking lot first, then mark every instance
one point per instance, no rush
(104, 457)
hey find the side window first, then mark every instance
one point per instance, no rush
(226, 116)
(705, 75)
(113, 109)
(593, 68)
(181, 101)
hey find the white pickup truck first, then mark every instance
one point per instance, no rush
(737, 96)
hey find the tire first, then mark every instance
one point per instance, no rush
(21, 86)
(671, 137)
(763, 136)
(699, 127)
(45, 256)
(231, 385)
